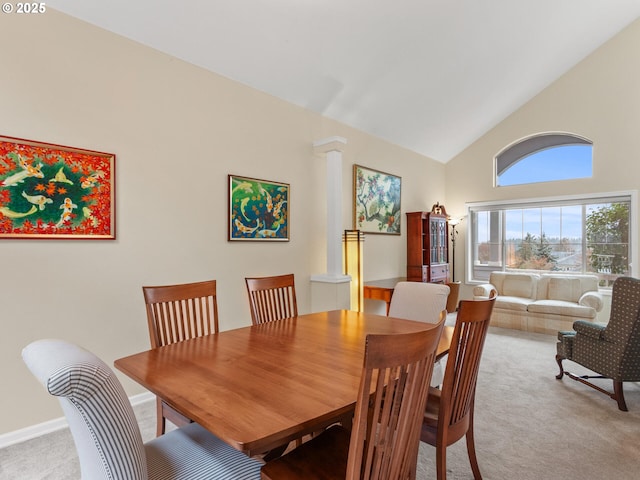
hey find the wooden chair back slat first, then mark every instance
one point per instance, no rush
(272, 298)
(180, 312)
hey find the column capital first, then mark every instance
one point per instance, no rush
(330, 144)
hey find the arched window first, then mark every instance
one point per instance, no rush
(544, 158)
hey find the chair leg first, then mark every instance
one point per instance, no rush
(618, 395)
(160, 428)
(275, 453)
(559, 360)
(413, 471)
(471, 450)
(441, 461)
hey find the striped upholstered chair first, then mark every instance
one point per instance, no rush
(105, 430)
(612, 351)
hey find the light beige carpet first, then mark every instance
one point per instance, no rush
(529, 426)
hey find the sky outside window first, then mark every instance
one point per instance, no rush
(554, 222)
(552, 164)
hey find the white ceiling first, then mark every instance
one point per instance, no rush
(429, 75)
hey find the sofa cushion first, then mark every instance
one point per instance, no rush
(517, 304)
(588, 283)
(568, 289)
(496, 279)
(519, 286)
(560, 307)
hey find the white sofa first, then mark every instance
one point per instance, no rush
(543, 303)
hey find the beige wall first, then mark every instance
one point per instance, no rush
(599, 99)
(177, 132)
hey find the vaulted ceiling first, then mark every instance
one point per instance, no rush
(429, 75)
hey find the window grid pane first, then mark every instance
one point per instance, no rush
(571, 238)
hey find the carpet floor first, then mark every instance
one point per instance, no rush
(528, 425)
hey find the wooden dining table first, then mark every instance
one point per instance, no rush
(259, 387)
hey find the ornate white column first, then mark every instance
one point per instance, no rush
(330, 290)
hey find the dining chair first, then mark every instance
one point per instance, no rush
(105, 430)
(272, 298)
(422, 302)
(383, 442)
(454, 295)
(176, 313)
(448, 415)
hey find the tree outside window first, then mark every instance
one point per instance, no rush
(607, 229)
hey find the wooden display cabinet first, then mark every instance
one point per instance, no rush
(427, 246)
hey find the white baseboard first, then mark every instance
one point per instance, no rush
(50, 426)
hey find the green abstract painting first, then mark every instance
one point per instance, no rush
(258, 209)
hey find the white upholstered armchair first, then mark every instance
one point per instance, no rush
(423, 302)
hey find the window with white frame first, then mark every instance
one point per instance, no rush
(572, 235)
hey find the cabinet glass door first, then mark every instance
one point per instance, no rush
(433, 229)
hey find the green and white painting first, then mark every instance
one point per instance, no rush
(376, 201)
